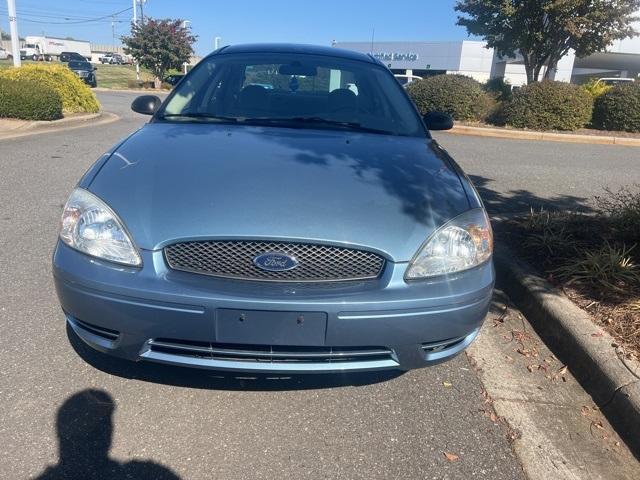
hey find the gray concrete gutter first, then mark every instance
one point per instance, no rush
(590, 353)
(10, 128)
(544, 136)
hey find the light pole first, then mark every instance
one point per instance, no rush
(13, 28)
(185, 64)
(135, 21)
(216, 42)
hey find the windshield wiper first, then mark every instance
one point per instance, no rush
(199, 115)
(316, 121)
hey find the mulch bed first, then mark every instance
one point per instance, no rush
(617, 313)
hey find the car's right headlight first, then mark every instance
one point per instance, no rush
(90, 226)
(463, 243)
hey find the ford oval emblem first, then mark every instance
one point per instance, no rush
(275, 262)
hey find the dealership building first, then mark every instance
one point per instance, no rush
(474, 59)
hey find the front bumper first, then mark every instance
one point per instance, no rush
(157, 314)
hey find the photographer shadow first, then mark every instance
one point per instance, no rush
(85, 428)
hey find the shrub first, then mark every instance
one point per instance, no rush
(596, 88)
(549, 106)
(461, 97)
(75, 95)
(623, 209)
(618, 109)
(609, 269)
(499, 88)
(28, 100)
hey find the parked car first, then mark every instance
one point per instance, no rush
(112, 59)
(405, 80)
(173, 79)
(4, 55)
(85, 71)
(613, 81)
(71, 57)
(304, 228)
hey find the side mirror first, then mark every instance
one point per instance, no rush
(146, 104)
(95, 68)
(438, 121)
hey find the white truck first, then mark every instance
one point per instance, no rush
(50, 48)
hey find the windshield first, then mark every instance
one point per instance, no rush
(80, 66)
(306, 91)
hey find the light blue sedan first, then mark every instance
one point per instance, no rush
(314, 226)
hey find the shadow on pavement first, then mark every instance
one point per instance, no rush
(85, 426)
(217, 380)
(519, 201)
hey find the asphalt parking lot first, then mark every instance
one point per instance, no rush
(199, 425)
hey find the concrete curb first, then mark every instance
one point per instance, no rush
(132, 90)
(544, 136)
(569, 332)
(69, 123)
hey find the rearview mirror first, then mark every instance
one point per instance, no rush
(146, 104)
(297, 69)
(438, 121)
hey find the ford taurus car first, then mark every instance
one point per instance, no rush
(314, 226)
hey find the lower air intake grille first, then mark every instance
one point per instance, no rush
(268, 353)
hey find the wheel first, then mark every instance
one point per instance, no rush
(34, 57)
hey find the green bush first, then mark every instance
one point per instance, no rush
(618, 109)
(75, 95)
(596, 88)
(461, 97)
(549, 106)
(28, 100)
(499, 88)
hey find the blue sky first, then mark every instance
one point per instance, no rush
(317, 22)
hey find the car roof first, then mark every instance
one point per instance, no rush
(296, 48)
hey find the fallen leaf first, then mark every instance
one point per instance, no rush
(585, 410)
(562, 371)
(493, 417)
(597, 334)
(531, 368)
(447, 384)
(452, 457)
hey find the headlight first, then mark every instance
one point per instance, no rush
(463, 243)
(90, 226)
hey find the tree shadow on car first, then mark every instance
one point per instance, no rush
(220, 380)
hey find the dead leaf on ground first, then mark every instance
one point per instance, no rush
(597, 334)
(452, 457)
(447, 384)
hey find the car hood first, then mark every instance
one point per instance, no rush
(175, 182)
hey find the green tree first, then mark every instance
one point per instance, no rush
(160, 45)
(543, 31)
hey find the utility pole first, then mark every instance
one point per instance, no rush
(135, 21)
(142, 11)
(216, 43)
(13, 28)
(113, 33)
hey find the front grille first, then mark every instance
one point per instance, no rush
(234, 259)
(269, 353)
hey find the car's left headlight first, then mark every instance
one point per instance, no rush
(90, 226)
(463, 243)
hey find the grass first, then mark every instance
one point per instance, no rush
(108, 76)
(117, 76)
